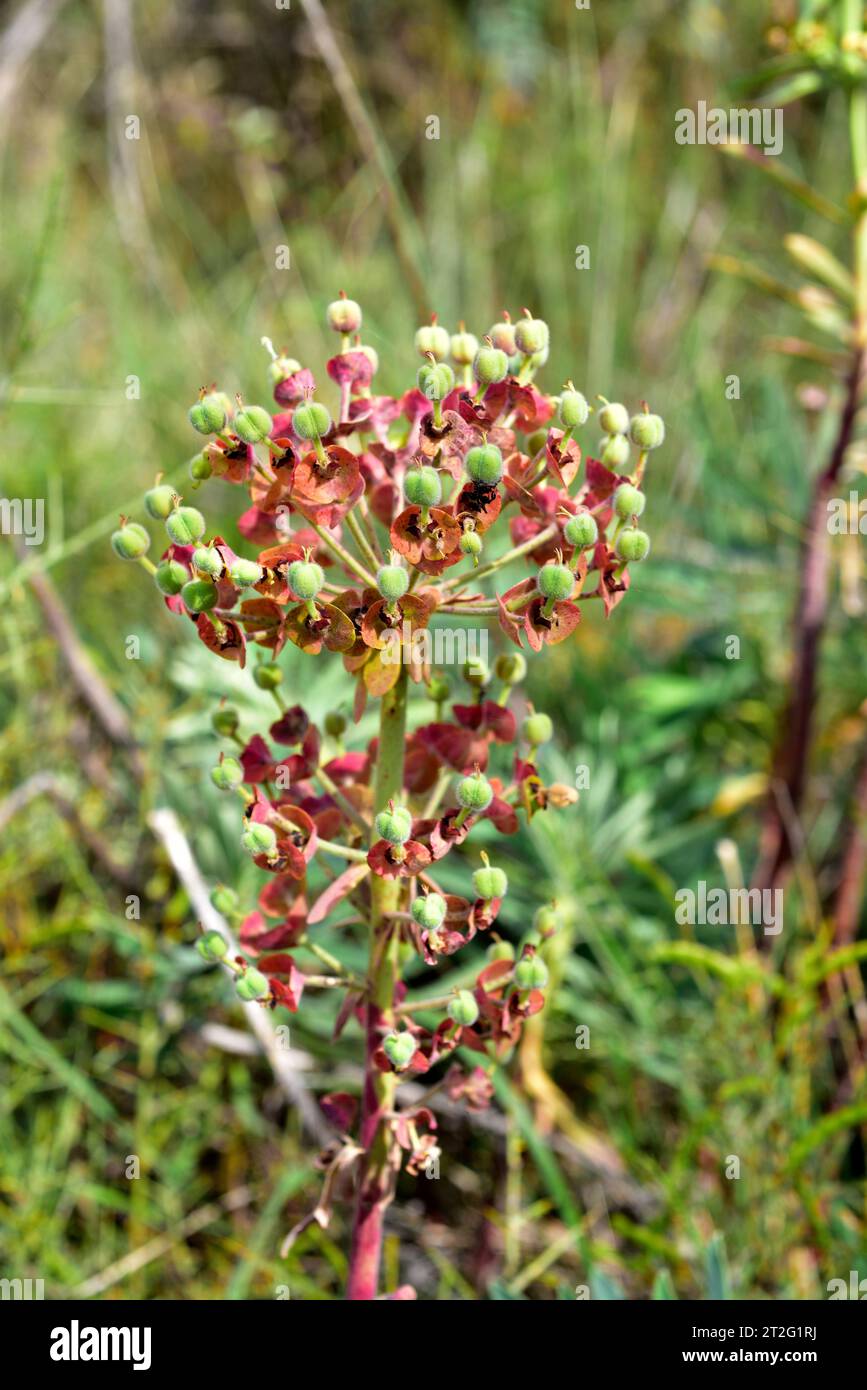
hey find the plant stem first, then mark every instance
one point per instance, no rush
(346, 559)
(378, 1167)
(548, 534)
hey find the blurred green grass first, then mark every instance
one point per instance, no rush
(556, 131)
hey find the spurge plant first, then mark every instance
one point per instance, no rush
(363, 525)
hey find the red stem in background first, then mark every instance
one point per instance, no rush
(793, 749)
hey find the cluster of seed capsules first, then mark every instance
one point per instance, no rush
(430, 479)
(364, 523)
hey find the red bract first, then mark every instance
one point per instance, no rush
(371, 527)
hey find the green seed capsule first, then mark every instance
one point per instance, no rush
(305, 579)
(574, 410)
(252, 424)
(201, 468)
(484, 464)
(581, 530)
(310, 420)
(344, 315)
(159, 501)
(538, 728)
(433, 338)
(244, 572)
(208, 415)
(531, 973)
(463, 1009)
(633, 545)
(399, 1048)
(259, 838)
(464, 348)
(252, 985)
(225, 721)
(131, 541)
(435, 380)
(475, 672)
(555, 581)
(423, 487)
(392, 581)
(490, 365)
(545, 920)
(170, 577)
(614, 450)
(510, 667)
(531, 336)
(490, 882)
(471, 543)
(502, 335)
(185, 526)
(438, 689)
(268, 676)
(335, 724)
(475, 792)
(227, 775)
(282, 368)
(614, 418)
(647, 431)
(208, 560)
(394, 825)
(212, 946)
(628, 501)
(501, 950)
(200, 595)
(224, 899)
(430, 910)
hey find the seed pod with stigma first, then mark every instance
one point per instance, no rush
(628, 501)
(632, 546)
(243, 572)
(613, 417)
(429, 910)
(474, 794)
(392, 580)
(208, 561)
(423, 488)
(200, 595)
(614, 451)
(212, 946)
(531, 972)
(433, 340)
(484, 464)
(471, 542)
(511, 669)
(225, 900)
(394, 824)
(268, 676)
(489, 882)
(305, 579)
(225, 721)
(502, 335)
(208, 415)
(185, 525)
(399, 1048)
(573, 409)
(282, 367)
(490, 365)
(435, 380)
(201, 469)
(647, 431)
(464, 347)
(252, 423)
(555, 582)
(344, 316)
(581, 531)
(531, 335)
(252, 985)
(476, 672)
(130, 541)
(463, 1009)
(259, 838)
(170, 576)
(159, 501)
(227, 775)
(538, 728)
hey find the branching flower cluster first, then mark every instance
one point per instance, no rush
(362, 527)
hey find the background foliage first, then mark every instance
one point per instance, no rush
(156, 258)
